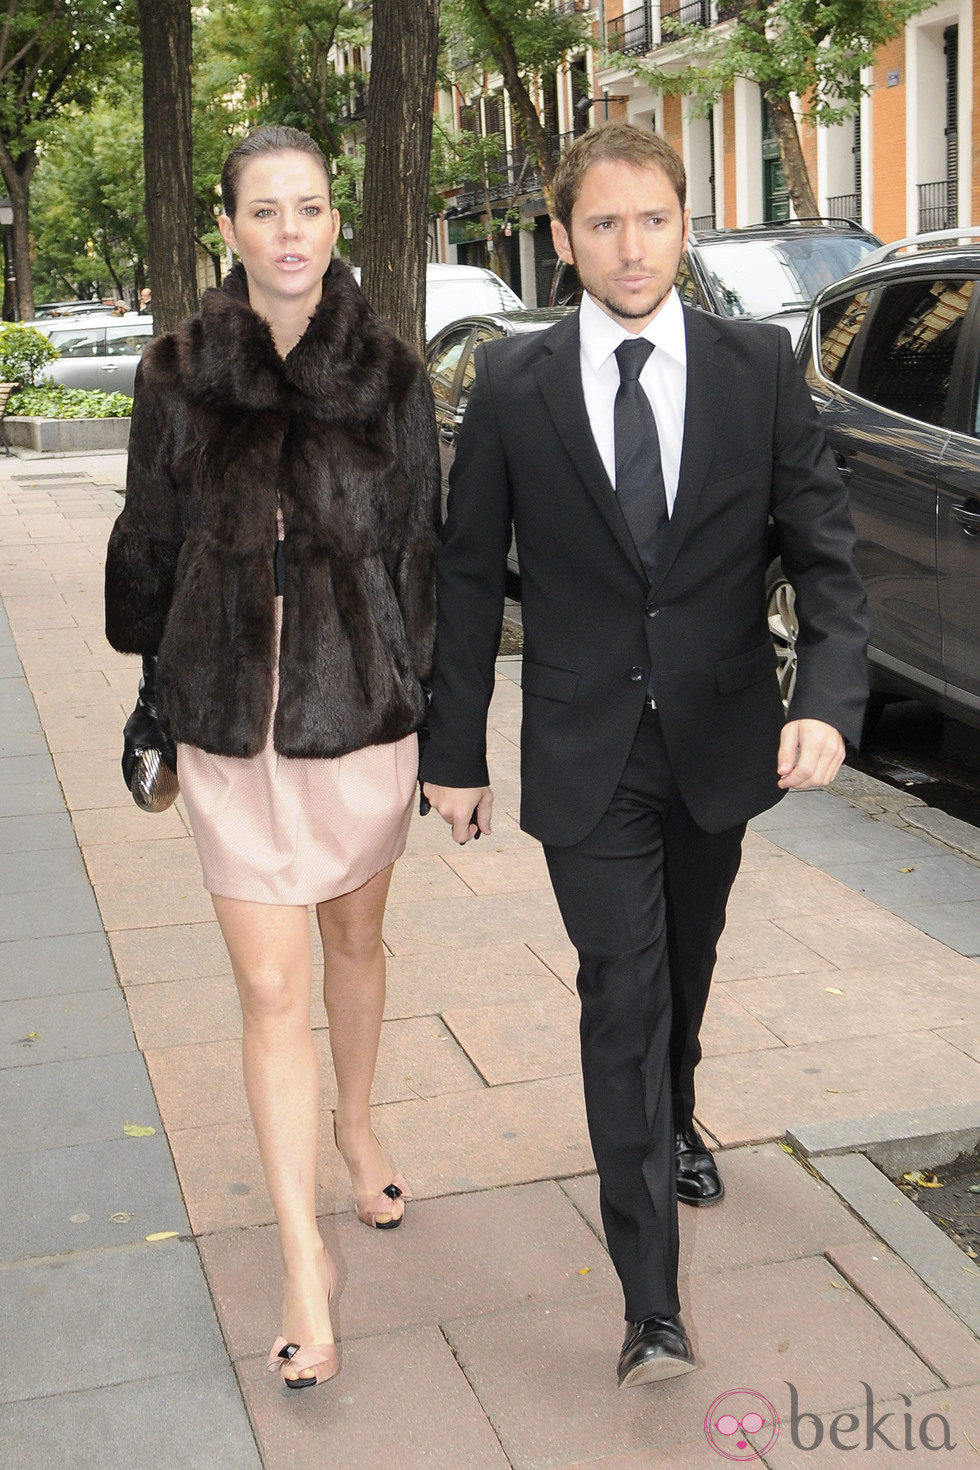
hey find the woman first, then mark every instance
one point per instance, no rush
(274, 565)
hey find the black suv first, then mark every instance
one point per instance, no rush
(892, 356)
(768, 272)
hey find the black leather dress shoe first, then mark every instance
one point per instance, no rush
(698, 1180)
(654, 1349)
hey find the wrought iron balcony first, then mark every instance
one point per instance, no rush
(937, 206)
(688, 12)
(630, 34)
(844, 206)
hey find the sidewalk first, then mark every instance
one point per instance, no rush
(138, 1275)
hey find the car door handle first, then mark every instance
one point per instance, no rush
(843, 468)
(447, 434)
(968, 515)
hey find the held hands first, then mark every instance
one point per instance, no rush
(459, 805)
(810, 755)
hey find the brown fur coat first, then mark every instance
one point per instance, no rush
(343, 430)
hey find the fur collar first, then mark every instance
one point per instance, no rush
(343, 369)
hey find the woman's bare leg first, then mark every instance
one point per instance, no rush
(269, 946)
(354, 994)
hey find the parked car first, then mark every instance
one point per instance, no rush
(892, 357)
(767, 272)
(451, 372)
(452, 291)
(100, 352)
(49, 309)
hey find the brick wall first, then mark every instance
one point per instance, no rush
(888, 133)
(672, 123)
(728, 163)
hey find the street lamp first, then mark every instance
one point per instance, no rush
(10, 311)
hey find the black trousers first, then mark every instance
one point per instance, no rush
(643, 900)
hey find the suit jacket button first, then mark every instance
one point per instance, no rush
(652, 612)
(636, 674)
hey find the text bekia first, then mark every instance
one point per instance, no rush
(848, 1431)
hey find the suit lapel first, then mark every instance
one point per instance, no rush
(706, 411)
(559, 378)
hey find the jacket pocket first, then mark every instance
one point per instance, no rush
(549, 682)
(746, 668)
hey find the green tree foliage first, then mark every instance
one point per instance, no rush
(275, 56)
(53, 53)
(23, 353)
(523, 40)
(87, 210)
(809, 49)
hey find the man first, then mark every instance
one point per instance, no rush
(642, 451)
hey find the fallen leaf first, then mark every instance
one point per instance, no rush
(906, 870)
(844, 1091)
(787, 1148)
(925, 1178)
(137, 1130)
(120, 1218)
(973, 1188)
(584, 1270)
(832, 990)
(162, 1235)
(783, 1347)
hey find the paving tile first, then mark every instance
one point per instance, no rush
(193, 1420)
(898, 886)
(86, 728)
(940, 1339)
(36, 833)
(773, 1210)
(89, 780)
(437, 980)
(183, 1012)
(783, 885)
(762, 947)
(512, 1043)
(758, 1095)
(422, 877)
(728, 1027)
(392, 1405)
(179, 898)
(51, 1028)
(28, 785)
(869, 930)
(57, 965)
(954, 924)
(546, 1374)
(561, 957)
(465, 1255)
(41, 914)
(966, 1038)
(53, 871)
(88, 1197)
(108, 826)
(531, 917)
(952, 1412)
(501, 872)
(140, 1312)
(169, 952)
(57, 1104)
(868, 1001)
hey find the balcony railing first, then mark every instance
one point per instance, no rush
(630, 34)
(844, 206)
(688, 12)
(937, 206)
(702, 222)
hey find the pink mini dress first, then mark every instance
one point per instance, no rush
(286, 830)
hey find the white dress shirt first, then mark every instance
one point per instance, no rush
(663, 380)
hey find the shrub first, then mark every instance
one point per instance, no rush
(53, 402)
(23, 352)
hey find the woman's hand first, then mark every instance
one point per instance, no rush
(466, 808)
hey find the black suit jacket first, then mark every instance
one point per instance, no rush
(595, 629)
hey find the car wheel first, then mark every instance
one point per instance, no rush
(784, 626)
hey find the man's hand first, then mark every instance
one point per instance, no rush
(457, 805)
(810, 755)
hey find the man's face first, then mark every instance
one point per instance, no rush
(626, 238)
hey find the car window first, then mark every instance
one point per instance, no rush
(469, 371)
(687, 287)
(908, 359)
(765, 277)
(837, 327)
(87, 343)
(442, 368)
(445, 300)
(125, 341)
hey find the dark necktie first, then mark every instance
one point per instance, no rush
(639, 475)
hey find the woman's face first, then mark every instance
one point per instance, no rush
(283, 229)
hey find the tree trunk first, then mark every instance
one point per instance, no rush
(165, 39)
(18, 287)
(794, 164)
(397, 147)
(537, 140)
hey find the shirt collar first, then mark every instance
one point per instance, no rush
(600, 335)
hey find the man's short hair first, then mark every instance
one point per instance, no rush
(617, 142)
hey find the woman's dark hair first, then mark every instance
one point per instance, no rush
(267, 139)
